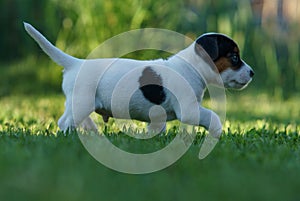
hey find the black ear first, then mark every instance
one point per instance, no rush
(210, 44)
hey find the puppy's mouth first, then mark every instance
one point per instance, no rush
(234, 84)
(239, 83)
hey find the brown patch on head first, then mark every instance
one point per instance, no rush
(236, 50)
(222, 50)
(230, 60)
(223, 63)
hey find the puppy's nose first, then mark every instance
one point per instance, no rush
(251, 73)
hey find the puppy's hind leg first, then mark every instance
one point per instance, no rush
(66, 122)
(89, 125)
(157, 127)
(74, 116)
(158, 119)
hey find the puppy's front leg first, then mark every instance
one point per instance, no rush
(212, 123)
(208, 119)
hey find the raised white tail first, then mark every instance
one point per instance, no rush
(53, 52)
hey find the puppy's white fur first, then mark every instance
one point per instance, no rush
(103, 75)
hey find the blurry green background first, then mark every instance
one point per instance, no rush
(267, 32)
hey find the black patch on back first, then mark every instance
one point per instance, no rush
(151, 86)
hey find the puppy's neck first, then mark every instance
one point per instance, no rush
(204, 66)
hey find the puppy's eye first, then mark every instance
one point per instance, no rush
(235, 59)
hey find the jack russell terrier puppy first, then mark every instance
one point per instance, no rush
(213, 54)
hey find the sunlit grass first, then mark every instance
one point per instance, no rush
(42, 112)
(35, 113)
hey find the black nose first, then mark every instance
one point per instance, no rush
(251, 73)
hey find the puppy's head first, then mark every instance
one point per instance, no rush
(225, 54)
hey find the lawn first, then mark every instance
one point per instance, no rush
(257, 158)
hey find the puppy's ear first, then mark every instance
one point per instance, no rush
(210, 44)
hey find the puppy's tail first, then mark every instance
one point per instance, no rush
(53, 52)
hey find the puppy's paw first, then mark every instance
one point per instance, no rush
(66, 124)
(215, 127)
(89, 125)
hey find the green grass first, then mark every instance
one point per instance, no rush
(257, 158)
